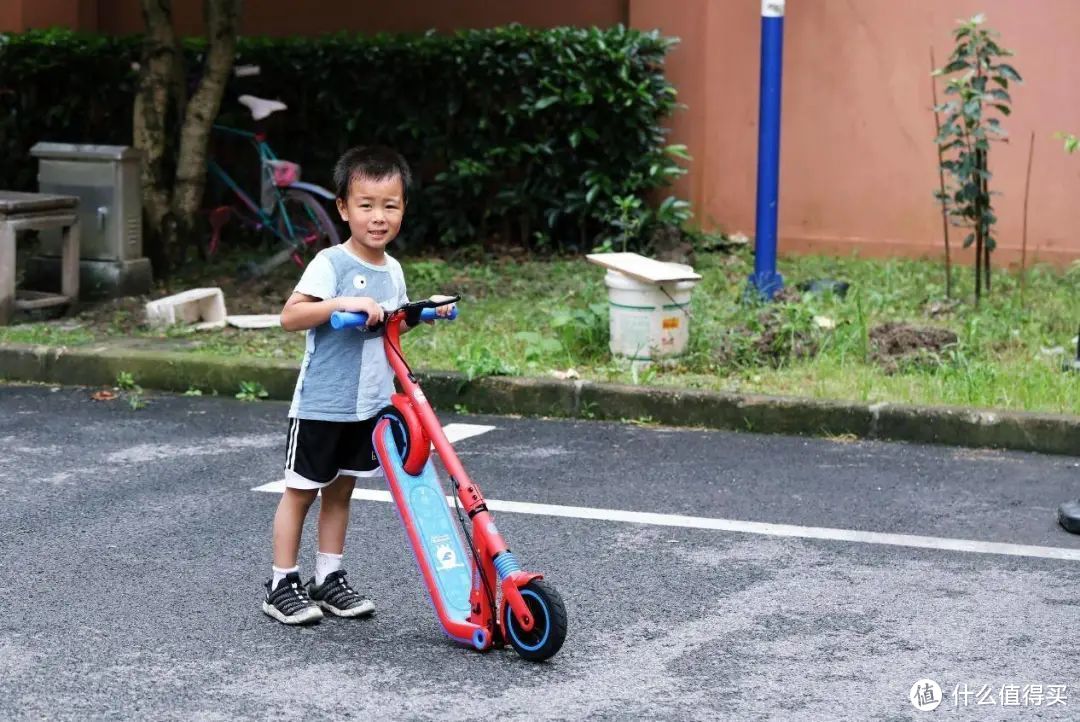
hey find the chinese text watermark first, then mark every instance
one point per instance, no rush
(927, 695)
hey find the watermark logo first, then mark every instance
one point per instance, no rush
(925, 695)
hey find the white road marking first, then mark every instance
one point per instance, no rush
(458, 432)
(746, 527)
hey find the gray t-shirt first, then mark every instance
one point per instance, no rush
(345, 375)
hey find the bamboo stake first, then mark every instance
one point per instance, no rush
(1023, 242)
(941, 181)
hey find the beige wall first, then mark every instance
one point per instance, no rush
(858, 165)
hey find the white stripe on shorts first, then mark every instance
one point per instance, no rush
(377, 471)
(290, 454)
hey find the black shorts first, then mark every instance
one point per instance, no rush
(317, 452)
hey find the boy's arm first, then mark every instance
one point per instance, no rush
(315, 298)
(302, 311)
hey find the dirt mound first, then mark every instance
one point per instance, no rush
(896, 345)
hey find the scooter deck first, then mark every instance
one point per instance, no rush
(421, 502)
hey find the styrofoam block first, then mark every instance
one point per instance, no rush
(197, 305)
(258, 320)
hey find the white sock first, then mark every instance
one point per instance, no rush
(325, 564)
(279, 574)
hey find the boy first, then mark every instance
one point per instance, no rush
(344, 382)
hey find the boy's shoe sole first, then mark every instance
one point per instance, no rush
(310, 615)
(360, 610)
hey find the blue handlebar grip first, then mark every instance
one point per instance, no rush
(347, 319)
(428, 314)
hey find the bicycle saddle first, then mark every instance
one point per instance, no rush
(261, 107)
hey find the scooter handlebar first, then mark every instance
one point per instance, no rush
(348, 319)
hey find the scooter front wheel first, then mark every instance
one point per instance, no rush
(549, 623)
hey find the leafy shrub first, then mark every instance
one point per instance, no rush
(542, 138)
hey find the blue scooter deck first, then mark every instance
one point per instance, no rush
(441, 552)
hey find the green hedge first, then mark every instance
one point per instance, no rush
(536, 137)
(61, 86)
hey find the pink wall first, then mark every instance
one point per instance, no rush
(11, 19)
(858, 163)
(314, 17)
(685, 67)
(19, 15)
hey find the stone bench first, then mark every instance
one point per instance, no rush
(37, 212)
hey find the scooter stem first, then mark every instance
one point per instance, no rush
(468, 492)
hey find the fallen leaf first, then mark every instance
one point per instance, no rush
(104, 395)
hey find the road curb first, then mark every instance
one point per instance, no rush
(98, 365)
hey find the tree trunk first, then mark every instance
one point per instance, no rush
(222, 19)
(172, 185)
(984, 184)
(979, 263)
(982, 203)
(161, 63)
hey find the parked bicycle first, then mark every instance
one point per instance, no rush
(292, 211)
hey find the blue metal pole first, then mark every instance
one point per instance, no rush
(766, 281)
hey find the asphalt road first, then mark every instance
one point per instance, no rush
(133, 549)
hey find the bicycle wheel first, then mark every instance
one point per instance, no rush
(311, 227)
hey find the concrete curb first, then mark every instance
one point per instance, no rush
(98, 365)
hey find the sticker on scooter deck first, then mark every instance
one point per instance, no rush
(426, 507)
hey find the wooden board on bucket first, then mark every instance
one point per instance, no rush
(644, 269)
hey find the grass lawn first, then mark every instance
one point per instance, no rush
(532, 317)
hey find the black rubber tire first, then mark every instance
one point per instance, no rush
(1069, 516)
(397, 427)
(549, 628)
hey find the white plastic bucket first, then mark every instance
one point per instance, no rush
(648, 320)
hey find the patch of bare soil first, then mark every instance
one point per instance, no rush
(897, 345)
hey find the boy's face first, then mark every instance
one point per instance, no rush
(374, 210)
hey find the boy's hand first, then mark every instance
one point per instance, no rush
(444, 310)
(362, 304)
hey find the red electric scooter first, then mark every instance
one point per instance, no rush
(483, 599)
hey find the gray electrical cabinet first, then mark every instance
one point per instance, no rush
(105, 179)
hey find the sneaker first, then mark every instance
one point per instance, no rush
(337, 597)
(289, 603)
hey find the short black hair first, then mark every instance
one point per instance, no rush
(374, 162)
